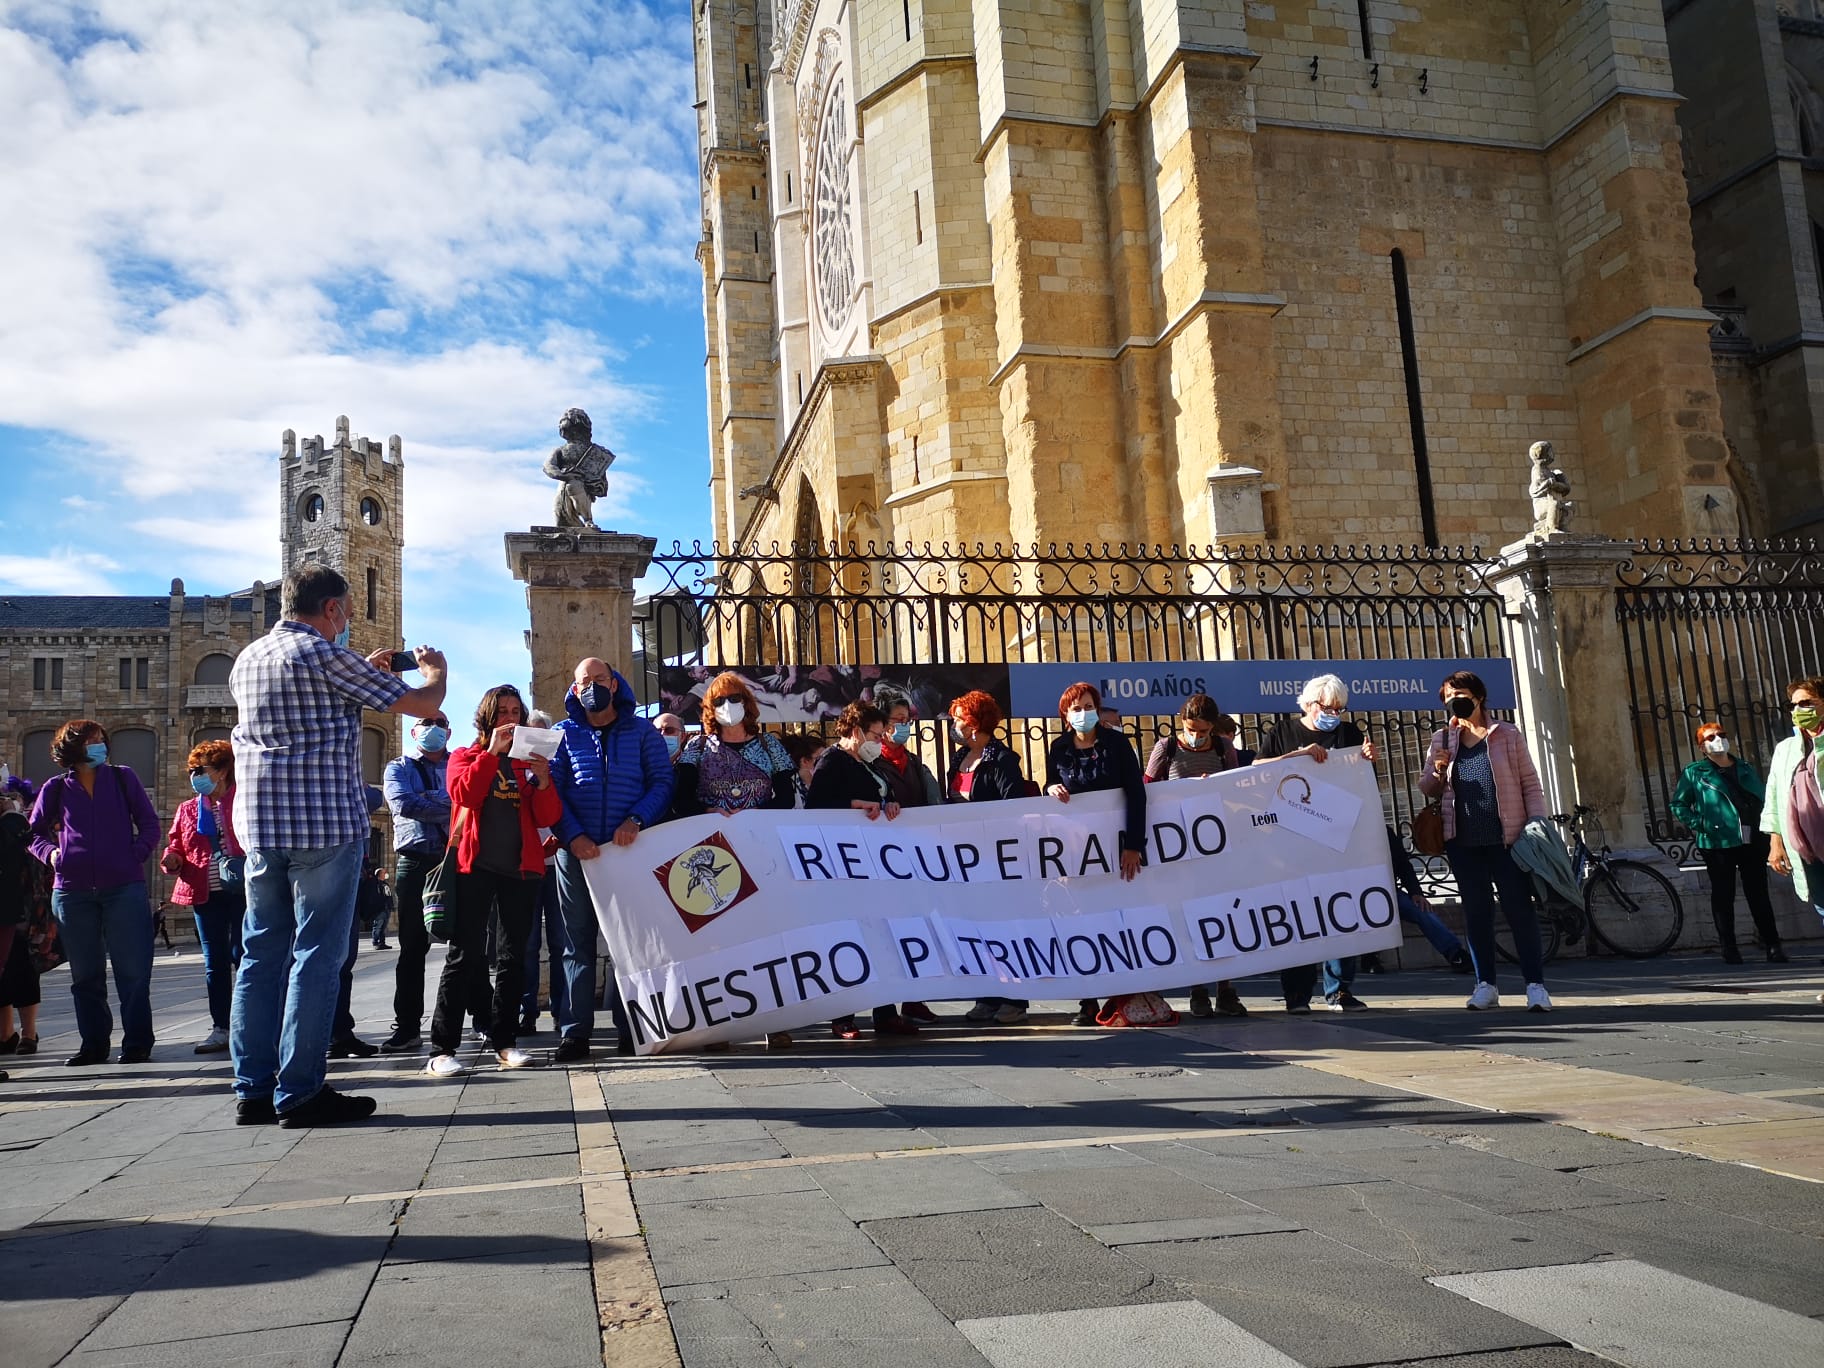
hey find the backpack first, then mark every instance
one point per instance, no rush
(1137, 1009)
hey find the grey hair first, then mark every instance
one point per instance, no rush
(1324, 689)
(538, 717)
(890, 696)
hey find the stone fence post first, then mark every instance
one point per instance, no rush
(1570, 666)
(579, 597)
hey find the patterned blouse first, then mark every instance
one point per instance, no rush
(734, 778)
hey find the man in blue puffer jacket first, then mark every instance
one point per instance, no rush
(614, 776)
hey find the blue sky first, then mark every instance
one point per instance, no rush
(449, 220)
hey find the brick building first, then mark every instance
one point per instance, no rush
(1173, 271)
(154, 669)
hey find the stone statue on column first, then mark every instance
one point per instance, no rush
(581, 469)
(1550, 492)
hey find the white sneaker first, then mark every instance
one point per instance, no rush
(513, 1058)
(215, 1042)
(1485, 996)
(1537, 999)
(1010, 1015)
(443, 1066)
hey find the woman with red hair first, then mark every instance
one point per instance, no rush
(205, 856)
(1719, 800)
(982, 770)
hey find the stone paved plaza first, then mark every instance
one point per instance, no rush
(1634, 1178)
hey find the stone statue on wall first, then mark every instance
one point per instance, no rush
(581, 469)
(1550, 492)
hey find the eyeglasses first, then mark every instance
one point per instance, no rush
(1803, 703)
(1332, 708)
(443, 722)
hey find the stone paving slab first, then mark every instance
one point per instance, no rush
(1728, 1188)
(1244, 1221)
(692, 1187)
(729, 1238)
(485, 1225)
(1491, 1182)
(1145, 1194)
(1214, 1164)
(886, 1188)
(534, 1315)
(1166, 1335)
(1645, 1317)
(1009, 1263)
(295, 1346)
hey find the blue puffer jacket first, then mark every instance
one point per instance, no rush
(609, 774)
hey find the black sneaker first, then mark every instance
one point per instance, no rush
(1344, 1001)
(403, 1039)
(351, 1047)
(528, 1025)
(1370, 963)
(1775, 955)
(569, 1050)
(254, 1111)
(135, 1056)
(327, 1108)
(1460, 963)
(1732, 957)
(86, 1056)
(1299, 1008)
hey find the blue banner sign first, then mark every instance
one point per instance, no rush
(1142, 688)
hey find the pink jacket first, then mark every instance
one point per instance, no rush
(188, 852)
(1518, 795)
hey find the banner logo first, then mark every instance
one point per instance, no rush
(705, 881)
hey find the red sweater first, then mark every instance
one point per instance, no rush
(471, 774)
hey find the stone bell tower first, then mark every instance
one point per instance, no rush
(344, 506)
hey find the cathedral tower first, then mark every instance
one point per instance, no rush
(344, 506)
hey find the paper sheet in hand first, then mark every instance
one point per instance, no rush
(531, 741)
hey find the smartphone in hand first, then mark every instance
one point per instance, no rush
(402, 661)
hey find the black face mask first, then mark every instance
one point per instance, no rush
(594, 697)
(1463, 708)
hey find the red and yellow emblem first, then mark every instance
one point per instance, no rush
(705, 881)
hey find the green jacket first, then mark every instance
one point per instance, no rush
(1703, 804)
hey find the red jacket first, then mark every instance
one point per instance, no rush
(190, 851)
(470, 776)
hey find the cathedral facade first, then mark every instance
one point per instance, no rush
(1189, 271)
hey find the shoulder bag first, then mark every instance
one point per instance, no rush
(440, 888)
(1428, 823)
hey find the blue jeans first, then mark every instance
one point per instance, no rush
(381, 921)
(1442, 938)
(550, 919)
(577, 912)
(1297, 984)
(1482, 873)
(300, 918)
(102, 926)
(218, 930)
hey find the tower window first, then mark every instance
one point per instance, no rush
(788, 187)
(373, 593)
(313, 507)
(918, 222)
(370, 512)
(1415, 401)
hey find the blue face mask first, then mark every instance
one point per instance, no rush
(342, 636)
(902, 733)
(202, 784)
(672, 744)
(594, 697)
(433, 738)
(96, 752)
(1328, 722)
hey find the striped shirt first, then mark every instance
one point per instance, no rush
(297, 746)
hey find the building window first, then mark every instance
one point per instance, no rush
(370, 512)
(35, 756)
(135, 673)
(313, 507)
(1415, 400)
(214, 668)
(47, 674)
(373, 593)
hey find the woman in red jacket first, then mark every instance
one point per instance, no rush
(206, 858)
(497, 806)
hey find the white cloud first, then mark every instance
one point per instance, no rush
(65, 570)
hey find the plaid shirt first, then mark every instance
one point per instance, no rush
(297, 746)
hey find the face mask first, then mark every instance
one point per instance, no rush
(869, 751)
(202, 784)
(1082, 720)
(673, 744)
(960, 732)
(1191, 741)
(1328, 722)
(1461, 707)
(433, 738)
(594, 697)
(96, 752)
(1805, 717)
(902, 733)
(730, 711)
(341, 637)
(1717, 745)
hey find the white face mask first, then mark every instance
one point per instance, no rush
(1717, 745)
(730, 711)
(869, 751)
(1082, 719)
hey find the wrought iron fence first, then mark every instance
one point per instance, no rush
(1714, 632)
(902, 605)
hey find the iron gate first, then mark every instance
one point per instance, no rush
(1714, 632)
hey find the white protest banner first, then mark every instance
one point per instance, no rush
(727, 928)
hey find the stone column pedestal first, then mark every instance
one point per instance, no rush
(1570, 667)
(579, 597)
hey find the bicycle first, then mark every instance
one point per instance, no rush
(1629, 907)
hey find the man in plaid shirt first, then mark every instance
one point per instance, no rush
(301, 811)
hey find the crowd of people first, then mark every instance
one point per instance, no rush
(490, 846)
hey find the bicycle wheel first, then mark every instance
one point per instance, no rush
(1633, 909)
(1550, 932)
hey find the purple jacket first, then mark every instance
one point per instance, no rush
(101, 841)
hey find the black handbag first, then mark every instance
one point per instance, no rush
(440, 889)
